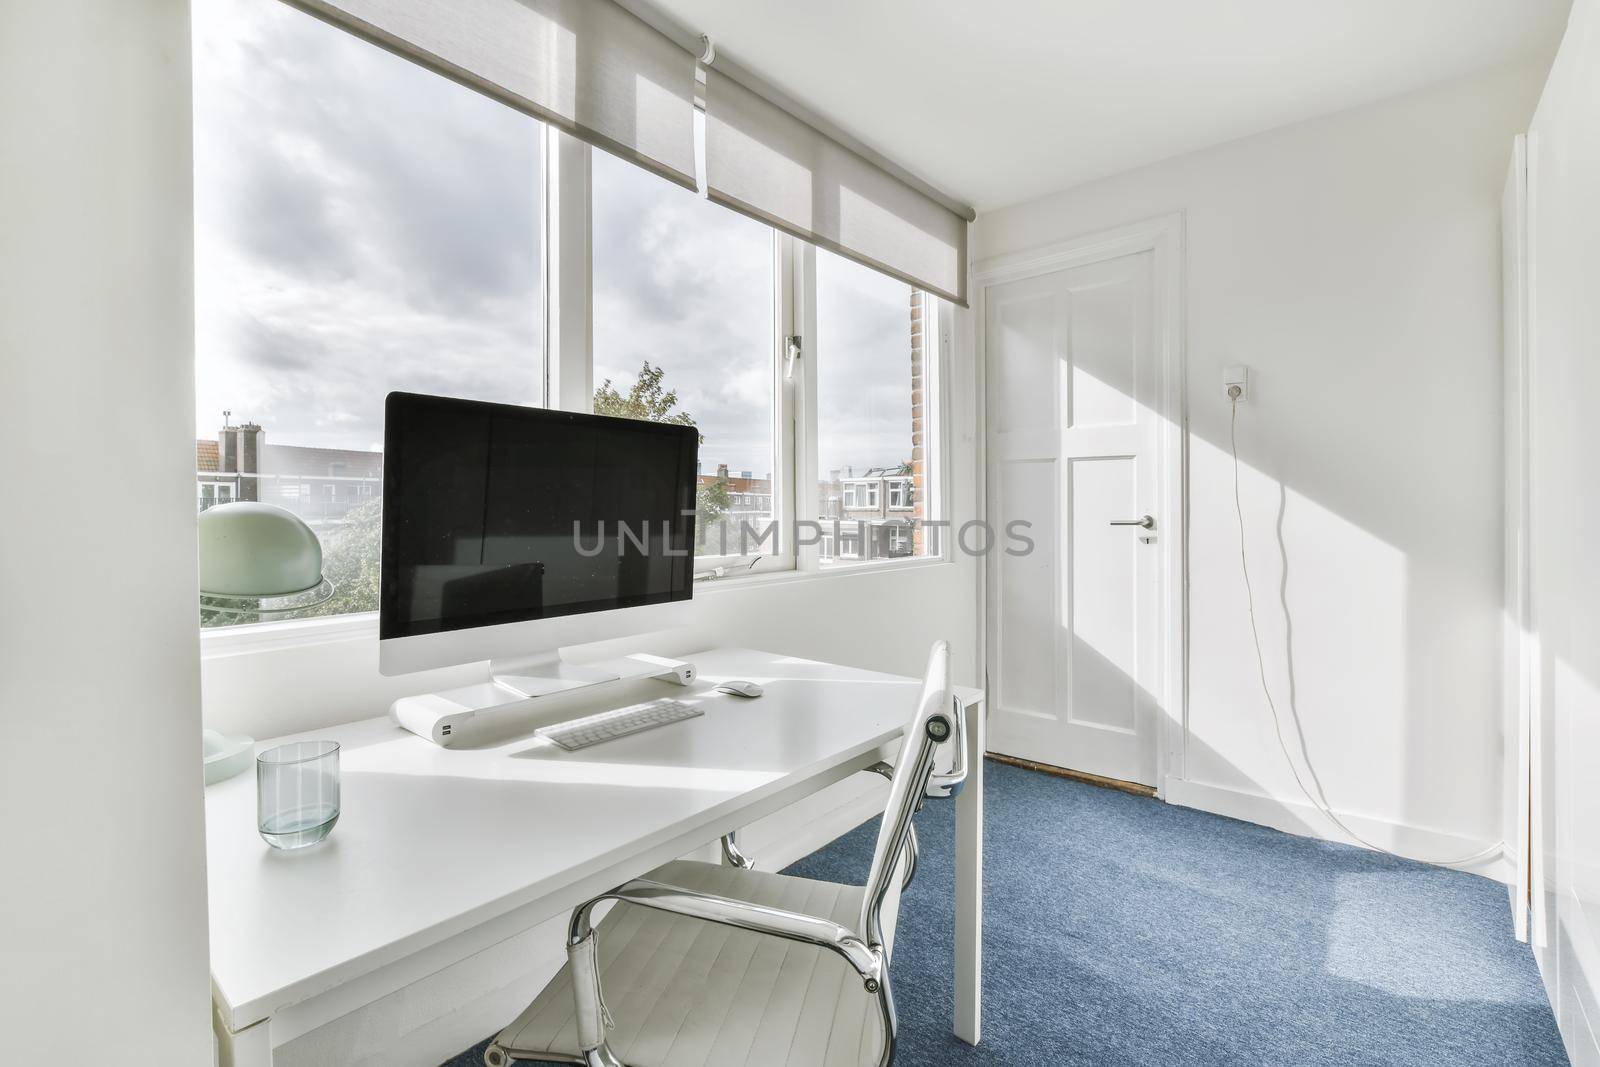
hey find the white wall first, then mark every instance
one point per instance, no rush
(102, 904)
(1353, 262)
(1564, 183)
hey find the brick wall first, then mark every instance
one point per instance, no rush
(919, 478)
(240, 450)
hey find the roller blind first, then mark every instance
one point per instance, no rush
(587, 66)
(766, 163)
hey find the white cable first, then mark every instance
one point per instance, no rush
(1318, 802)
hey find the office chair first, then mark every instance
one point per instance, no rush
(711, 965)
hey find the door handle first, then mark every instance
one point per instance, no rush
(1146, 521)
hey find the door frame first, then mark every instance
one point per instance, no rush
(1161, 236)
(1519, 635)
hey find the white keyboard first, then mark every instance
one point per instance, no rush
(620, 722)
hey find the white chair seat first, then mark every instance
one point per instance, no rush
(684, 992)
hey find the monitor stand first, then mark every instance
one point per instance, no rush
(442, 717)
(540, 676)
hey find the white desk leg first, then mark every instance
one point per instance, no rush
(250, 1047)
(969, 886)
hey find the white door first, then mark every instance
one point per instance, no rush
(1076, 625)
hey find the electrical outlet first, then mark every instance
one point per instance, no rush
(1236, 377)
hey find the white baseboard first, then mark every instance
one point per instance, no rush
(1300, 818)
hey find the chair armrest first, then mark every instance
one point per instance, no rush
(952, 781)
(758, 918)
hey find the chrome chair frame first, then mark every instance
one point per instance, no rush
(731, 854)
(938, 721)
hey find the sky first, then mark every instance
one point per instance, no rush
(364, 225)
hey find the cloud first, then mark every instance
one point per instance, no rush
(864, 367)
(364, 225)
(687, 285)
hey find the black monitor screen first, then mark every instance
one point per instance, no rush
(494, 513)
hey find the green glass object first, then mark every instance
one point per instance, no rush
(250, 549)
(253, 558)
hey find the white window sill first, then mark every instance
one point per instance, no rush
(824, 572)
(219, 642)
(244, 640)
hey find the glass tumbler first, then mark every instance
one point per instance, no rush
(297, 793)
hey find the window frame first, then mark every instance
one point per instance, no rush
(574, 360)
(906, 488)
(938, 318)
(567, 383)
(899, 535)
(783, 424)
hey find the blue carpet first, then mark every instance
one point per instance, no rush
(1120, 930)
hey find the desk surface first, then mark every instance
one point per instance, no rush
(432, 841)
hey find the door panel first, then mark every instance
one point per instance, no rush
(1071, 442)
(1026, 326)
(1102, 354)
(1102, 580)
(1027, 676)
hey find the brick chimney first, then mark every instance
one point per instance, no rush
(239, 451)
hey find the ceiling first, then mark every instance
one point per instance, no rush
(1000, 101)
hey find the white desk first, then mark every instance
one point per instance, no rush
(441, 852)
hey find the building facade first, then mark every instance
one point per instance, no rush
(321, 485)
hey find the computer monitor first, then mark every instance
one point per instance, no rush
(510, 532)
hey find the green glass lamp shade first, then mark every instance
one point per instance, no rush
(249, 549)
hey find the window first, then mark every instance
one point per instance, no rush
(850, 541)
(361, 225)
(365, 225)
(862, 494)
(683, 295)
(872, 403)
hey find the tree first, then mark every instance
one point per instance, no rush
(350, 559)
(711, 503)
(647, 400)
(650, 401)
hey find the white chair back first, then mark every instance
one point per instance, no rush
(936, 721)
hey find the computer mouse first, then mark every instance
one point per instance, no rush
(741, 689)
